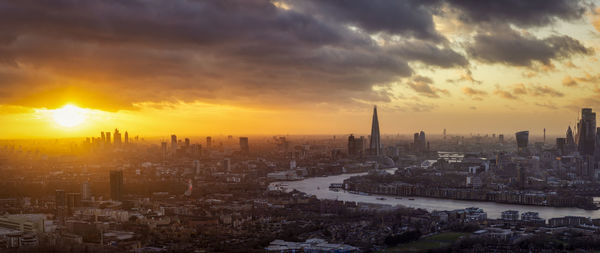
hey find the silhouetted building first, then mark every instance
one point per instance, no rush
(117, 137)
(570, 141)
(208, 142)
(86, 192)
(73, 201)
(586, 132)
(116, 185)
(126, 137)
(355, 146)
(375, 142)
(60, 198)
(108, 140)
(103, 137)
(173, 143)
(163, 149)
(561, 144)
(522, 141)
(501, 138)
(244, 147)
(420, 143)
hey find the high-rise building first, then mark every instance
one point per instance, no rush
(86, 192)
(208, 142)
(73, 200)
(187, 143)
(244, 147)
(561, 145)
(173, 143)
(163, 149)
(126, 137)
(108, 140)
(227, 164)
(597, 149)
(586, 132)
(60, 198)
(117, 137)
(422, 141)
(375, 143)
(116, 185)
(103, 137)
(544, 135)
(570, 141)
(501, 138)
(444, 133)
(522, 140)
(355, 146)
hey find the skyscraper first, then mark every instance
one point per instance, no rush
(107, 134)
(60, 198)
(117, 137)
(173, 143)
(244, 145)
(522, 141)
(86, 193)
(570, 145)
(586, 132)
(163, 149)
(355, 146)
(375, 144)
(208, 142)
(116, 185)
(126, 137)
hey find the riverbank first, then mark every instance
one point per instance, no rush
(319, 187)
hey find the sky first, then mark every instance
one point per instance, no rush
(248, 67)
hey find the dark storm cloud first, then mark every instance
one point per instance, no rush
(430, 54)
(507, 46)
(241, 51)
(523, 13)
(410, 17)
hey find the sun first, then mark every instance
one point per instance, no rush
(69, 116)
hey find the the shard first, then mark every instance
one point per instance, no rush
(375, 145)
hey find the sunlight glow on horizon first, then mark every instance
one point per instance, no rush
(69, 115)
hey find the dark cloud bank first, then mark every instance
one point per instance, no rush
(248, 51)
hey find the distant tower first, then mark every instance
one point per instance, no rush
(208, 142)
(375, 144)
(444, 133)
(103, 137)
(126, 137)
(163, 149)
(244, 147)
(522, 141)
(544, 135)
(173, 143)
(586, 132)
(107, 134)
(117, 137)
(570, 142)
(86, 193)
(116, 185)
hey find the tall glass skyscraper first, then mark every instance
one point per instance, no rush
(375, 144)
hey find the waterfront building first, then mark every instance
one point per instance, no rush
(510, 215)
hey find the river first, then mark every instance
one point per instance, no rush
(319, 186)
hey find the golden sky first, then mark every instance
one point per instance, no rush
(296, 67)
